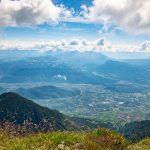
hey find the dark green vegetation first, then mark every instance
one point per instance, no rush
(137, 130)
(16, 109)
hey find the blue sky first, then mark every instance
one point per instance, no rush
(89, 20)
(67, 30)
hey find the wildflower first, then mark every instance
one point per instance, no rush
(61, 146)
(67, 148)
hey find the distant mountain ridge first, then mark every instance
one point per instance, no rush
(46, 92)
(51, 66)
(124, 71)
(69, 67)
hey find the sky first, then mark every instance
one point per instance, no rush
(96, 25)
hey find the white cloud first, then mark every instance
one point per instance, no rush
(145, 46)
(132, 16)
(33, 12)
(84, 42)
(61, 77)
(98, 45)
(100, 41)
(74, 42)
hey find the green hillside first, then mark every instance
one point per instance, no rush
(29, 117)
(100, 139)
(25, 125)
(19, 110)
(142, 145)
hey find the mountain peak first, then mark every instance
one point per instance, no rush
(8, 94)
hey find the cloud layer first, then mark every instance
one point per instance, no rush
(98, 45)
(132, 16)
(30, 12)
(73, 44)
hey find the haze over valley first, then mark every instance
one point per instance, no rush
(80, 84)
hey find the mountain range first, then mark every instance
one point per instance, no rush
(70, 67)
(46, 92)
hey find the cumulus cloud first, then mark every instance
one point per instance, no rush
(145, 46)
(74, 42)
(33, 12)
(84, 42)
(132, 16)
(100, 41)
(98, 45)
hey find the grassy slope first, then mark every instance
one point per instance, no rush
(100, 139)
(142, 145)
